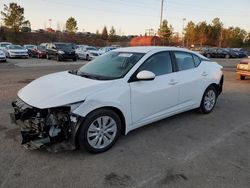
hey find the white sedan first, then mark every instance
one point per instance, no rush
(2, 56)
(16, 51)
(87, 52)
(114, 94)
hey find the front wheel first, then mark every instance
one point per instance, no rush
(58, 58)
(208, 100)
(99, 131)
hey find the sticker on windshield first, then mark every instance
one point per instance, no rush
(125, 55)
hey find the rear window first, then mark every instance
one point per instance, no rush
(184, 60)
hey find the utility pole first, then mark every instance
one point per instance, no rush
(183, 34)
(162, 1)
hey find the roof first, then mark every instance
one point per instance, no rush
(146, 49)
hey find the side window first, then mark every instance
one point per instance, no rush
(184, 60)
(197, 60)
(159, 64)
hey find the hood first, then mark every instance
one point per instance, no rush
(94, 51)
(18, 50)
(60, 89)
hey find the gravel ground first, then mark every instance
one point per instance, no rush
(187, 150)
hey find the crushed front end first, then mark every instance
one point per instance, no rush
(53, 129)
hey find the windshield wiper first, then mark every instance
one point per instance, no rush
(95, 77)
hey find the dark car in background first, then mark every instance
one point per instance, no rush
(29, 47)
(61, 51)
(240, 52)
(219, 53)
(38, 52)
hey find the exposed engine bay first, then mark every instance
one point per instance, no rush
(53, 129)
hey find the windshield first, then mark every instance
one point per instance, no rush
(15, 47)
(41, 47)
(64, 46)
(112, 65)
(91, 48)
(5, 44)
(29, 46)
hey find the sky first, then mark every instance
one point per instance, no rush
(132, 16)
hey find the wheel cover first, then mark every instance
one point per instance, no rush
(102, 131)
(209, 100)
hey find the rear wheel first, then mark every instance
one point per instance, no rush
(99, 131)
(242, 77)
(208, 100)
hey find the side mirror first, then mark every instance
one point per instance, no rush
(145, 75)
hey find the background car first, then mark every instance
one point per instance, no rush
(38, 52)
(2, 56)
(241, 53)
(16, 51)
(105, 50)
(29, 47)
(61, 51)
(243, 69)
(87, 52)
(3, 45)
(219, 53)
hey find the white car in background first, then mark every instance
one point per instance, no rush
(16, 51)
(3, 45)
(105, 50)
(87, 52)
(114, 94)
(2, 56)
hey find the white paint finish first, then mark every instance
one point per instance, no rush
(59, 89)
(140, 102)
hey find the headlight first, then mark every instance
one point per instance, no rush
(61, 52)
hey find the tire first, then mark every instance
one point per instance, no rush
(87, 57)
(58, 58)
(242, 77)
(209, 100)
(93, 122)
(227, 56)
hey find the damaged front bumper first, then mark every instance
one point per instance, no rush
(54, 129)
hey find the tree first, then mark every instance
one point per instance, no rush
(215, 32)
(105, 33)
(165, 32)
(71, 25)
(234, 37)
(201, 32)
(190, 33)
(13, 17)
(112, 34)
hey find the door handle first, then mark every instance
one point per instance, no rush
(172, 82)
(204, 74)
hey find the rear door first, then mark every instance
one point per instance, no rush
(191, 78)
(153, 99)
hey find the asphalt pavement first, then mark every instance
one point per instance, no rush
(187, 150)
